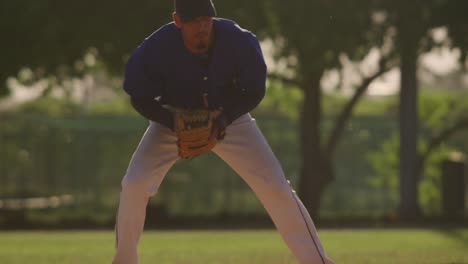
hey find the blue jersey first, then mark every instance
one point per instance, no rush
(162, 71)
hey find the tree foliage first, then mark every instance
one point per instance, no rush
(439, 112)
(413, 22)
(47, 35)
(51, 36)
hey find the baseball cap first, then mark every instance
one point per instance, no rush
(190, 9)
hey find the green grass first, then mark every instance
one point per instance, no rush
(366, 246)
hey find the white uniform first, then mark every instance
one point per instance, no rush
(247, 152)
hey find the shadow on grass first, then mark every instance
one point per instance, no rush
(460, 235)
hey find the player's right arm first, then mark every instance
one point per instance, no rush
(144, 84)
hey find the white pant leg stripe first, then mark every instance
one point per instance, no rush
(308, 227)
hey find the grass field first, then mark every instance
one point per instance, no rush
(361, 246)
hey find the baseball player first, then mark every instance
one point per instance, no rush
(196, 79)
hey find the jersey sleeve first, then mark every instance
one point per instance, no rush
(251, 78)
(144, 83)
(139, 81)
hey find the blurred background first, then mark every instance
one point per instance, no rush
(366, 109)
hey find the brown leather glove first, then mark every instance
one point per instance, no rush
(198, 131)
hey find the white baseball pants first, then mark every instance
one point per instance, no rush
(244, 149)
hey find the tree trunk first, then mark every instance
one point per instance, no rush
(408, 44)
(317, 158)
(3, 85)
(316, 171)
(347, 111)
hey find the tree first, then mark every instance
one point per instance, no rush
(316, 33)
(413, 21)
(50, 35)
(53, 35)
(410, 31)
(445, 117)
(442, 116)
(345, 27)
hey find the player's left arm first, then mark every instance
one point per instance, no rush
(250, 82)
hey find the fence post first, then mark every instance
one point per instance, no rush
(453, 186)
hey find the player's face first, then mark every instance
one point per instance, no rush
(197, 33)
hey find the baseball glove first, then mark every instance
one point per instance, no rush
(198, 131)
